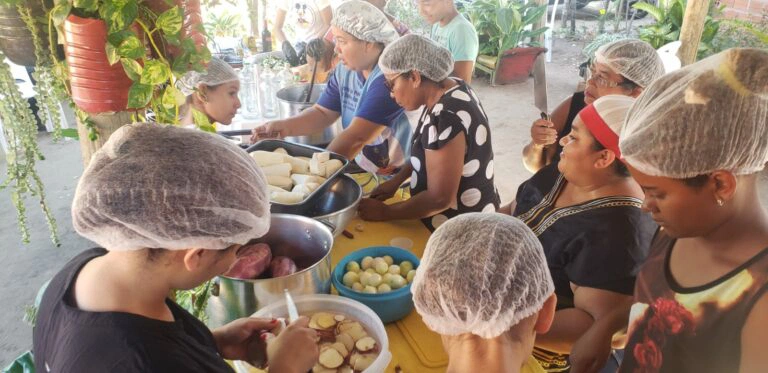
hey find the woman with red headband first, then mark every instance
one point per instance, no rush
(586, 211)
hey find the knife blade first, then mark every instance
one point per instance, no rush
(293, 313)
(540, 86)
(235, 133)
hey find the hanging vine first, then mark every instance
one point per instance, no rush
(49, 90)
(20, 130)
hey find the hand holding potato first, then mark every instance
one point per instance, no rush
(268, 130)
(295, 349)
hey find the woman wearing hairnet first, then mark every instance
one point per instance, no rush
(486, 298)
(451, 164)
(696, 140)
(212, 92)
(376, 131)
(166, 218)
(623, 67)
(586, 211)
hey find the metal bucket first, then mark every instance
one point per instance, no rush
(307, 241)
(336, 206)
(291, 101)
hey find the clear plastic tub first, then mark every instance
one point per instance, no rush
(333, 303)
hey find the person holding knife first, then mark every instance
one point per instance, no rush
(623, 67)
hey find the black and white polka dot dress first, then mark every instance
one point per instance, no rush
(457, 111)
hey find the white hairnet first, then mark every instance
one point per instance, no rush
(157, 186)
(217, 72)
(481, 273)
(604, 119)
(365, 22)
(414, 52)
(708, 116)
(633, 59)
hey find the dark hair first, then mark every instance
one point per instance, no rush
(409, 74)
(628, 84)
(153, 254)
(696, 182)
(618, 166)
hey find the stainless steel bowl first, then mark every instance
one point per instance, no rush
(292, 102)
(336, 206)
(306, 241)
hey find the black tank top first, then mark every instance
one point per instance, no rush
(577, 103)
(687, 330)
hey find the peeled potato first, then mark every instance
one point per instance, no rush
(264, 159)
(326, 320)
(272, 189)
(321, 369)
(280, 181)
(361, 361)
(338, 346)
(365, 344)
(330, 358)
(282, 169)
(280, 151)
(332, 166)
(287, 197)
(346, 340)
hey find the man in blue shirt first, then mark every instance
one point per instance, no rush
(454, 32)
(376, 130)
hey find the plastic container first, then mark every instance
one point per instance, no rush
(390, 306)
(332, 303)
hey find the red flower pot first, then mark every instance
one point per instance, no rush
(96, 86)
(515, 65)
(192, 25)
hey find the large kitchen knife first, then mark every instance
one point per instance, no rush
(540, 86)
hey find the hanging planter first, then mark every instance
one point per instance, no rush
(15, 37)
(97, 86)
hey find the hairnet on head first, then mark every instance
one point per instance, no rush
(604, 119)
(708, 116)
(217, 72)
(364, 21)
(156, 186)
(414, 52)
(633, 59)
(481, 273)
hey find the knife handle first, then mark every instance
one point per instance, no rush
(544, 116)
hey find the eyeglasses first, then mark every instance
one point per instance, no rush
(591, 74)
(390, 84)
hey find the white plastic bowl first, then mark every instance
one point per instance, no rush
(333, 303)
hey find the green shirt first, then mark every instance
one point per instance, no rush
(459, 37)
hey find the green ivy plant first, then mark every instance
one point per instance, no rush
(20, 130)
(138, 39)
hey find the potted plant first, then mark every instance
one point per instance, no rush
(507, 39)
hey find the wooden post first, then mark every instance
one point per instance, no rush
(253, 16)
(106, 124)
(690, 33)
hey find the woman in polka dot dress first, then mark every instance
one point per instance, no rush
(451, 162)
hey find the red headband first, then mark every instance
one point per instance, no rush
(600, 130)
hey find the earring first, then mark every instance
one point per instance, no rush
(720, 202)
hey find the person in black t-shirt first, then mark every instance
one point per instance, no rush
(200, 199)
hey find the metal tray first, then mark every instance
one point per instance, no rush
(301, 150)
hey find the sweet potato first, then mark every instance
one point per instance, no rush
(282, 266)
(253, 261)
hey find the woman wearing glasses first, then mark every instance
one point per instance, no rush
(451, 163)
(623, 67)
(376, 131)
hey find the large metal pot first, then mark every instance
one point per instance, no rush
(307, 241)
(292, 102)
(336, 206)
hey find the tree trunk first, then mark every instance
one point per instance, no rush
(690, 33)
(106, 124)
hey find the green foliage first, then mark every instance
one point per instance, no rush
(195, 300)
(139, 39)
(669, 20)
(502, 24)
(224, 24)
(20, 130)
